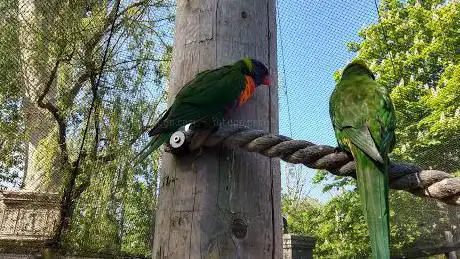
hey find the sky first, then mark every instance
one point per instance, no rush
(311, 47)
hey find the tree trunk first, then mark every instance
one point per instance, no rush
(223, 203)
(35, 68)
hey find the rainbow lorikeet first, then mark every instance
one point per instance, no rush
(364, 121)
(210, 96)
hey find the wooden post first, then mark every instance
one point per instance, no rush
(224, 203)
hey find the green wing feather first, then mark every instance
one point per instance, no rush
(364, 120)
(362, 139)
(153, 144)
(205, 96)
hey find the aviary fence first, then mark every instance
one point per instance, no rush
(83, 81)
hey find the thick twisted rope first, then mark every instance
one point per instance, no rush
(402, 176)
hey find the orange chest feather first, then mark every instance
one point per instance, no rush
(248, 90)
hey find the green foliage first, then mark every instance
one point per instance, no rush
(338, 226)
(341, 231)
(335, 182)
(120, 216)
(414, 50)
(113, 201)
(118, 206)
(302, 214)
(419, 61)
(11, 139)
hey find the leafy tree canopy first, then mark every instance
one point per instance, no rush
(414, 49)
(111, 201)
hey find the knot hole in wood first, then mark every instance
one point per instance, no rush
(239, 228)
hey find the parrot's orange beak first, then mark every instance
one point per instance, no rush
(266, 81)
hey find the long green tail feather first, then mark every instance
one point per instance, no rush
(154, 143)
(373, 189)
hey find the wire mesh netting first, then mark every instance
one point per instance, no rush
(83, 81)
(408, 44)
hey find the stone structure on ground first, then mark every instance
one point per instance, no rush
(297, 246)
(27, 220)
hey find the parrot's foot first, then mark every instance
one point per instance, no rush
(199, 153)
(339, 150)
(203, 125)
(214, 129)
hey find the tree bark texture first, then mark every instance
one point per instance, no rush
(223, 203)
(33, 17)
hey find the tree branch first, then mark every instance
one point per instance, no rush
(136, 60)
(62, 126)
(131, 6)
(167, 18)
(109, 20)
(78, 85)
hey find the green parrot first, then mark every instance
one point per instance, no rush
(364, 121)
(210, 96)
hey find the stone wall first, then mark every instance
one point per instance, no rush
(27, 219)
(297, 247)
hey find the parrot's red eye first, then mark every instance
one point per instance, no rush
(266, 80)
